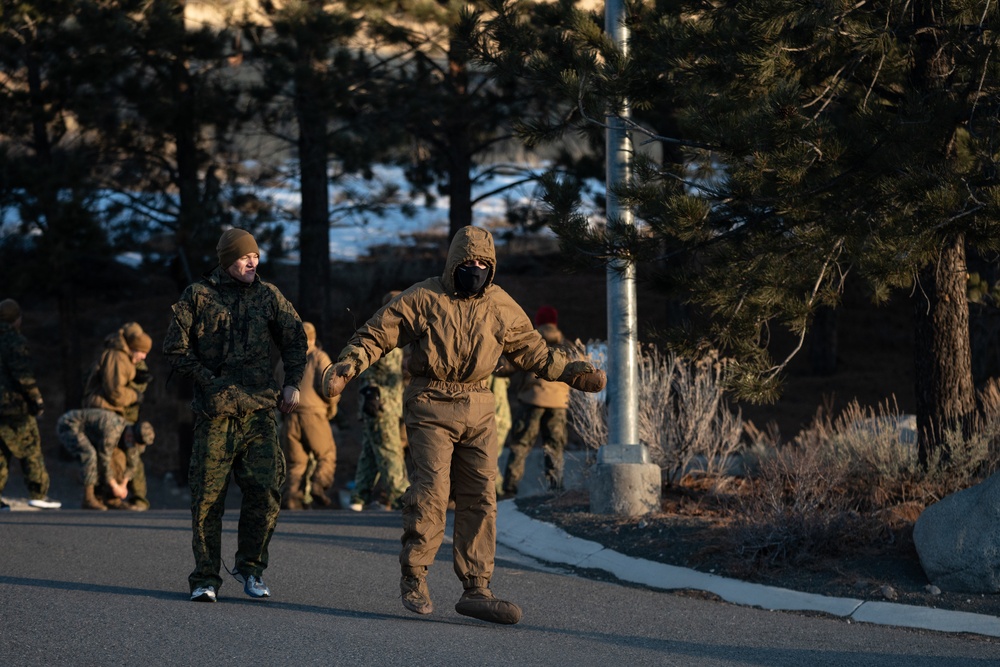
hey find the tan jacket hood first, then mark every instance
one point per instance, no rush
(469, 243)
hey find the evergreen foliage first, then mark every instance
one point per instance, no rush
(816, 140)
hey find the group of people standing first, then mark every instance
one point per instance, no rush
(455, 329)
(104, 434)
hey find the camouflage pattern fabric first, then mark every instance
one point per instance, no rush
(91, 435)
(499, 386)
(220, 337)
(19, 395)
(248, 447)
(381, 458)
(530, 420)
(19, 439)
(18, 387)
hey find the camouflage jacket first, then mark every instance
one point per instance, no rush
(387, 375)
(18, 387)
(220, 336)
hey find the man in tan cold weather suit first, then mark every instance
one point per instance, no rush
(307, 431)
(457, 327)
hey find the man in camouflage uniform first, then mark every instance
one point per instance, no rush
(542, 407)
(20, 404)
(457, 327)
(90, 435)
(220, 336)
(381, 413)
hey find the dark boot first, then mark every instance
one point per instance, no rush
(416, 595)
(90, 500)
(320, 499)
(480, 603)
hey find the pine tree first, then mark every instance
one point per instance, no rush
(49, 166)
(313, 93)
(820, 140)
(457, 115)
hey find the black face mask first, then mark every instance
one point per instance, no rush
(470, 279)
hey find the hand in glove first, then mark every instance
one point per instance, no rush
(37, 408)
(335, 378)
(583, 376)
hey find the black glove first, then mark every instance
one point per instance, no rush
(36, 408)
(143, 376)
(371, 401)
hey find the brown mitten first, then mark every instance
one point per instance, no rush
(583, 376)
(335, 378)
(589, 382)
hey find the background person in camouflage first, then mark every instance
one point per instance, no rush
(307, 431)
(220, 337)
(380, 409)
(542, 407)
(499, 384)
(20, 404)
(90, 435)
(456, 326)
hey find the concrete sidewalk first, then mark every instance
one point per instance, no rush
(550, 544)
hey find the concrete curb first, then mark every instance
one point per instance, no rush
(551, 544)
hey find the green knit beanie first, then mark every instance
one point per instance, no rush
(233, 244)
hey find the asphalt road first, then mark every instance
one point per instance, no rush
(87, 588)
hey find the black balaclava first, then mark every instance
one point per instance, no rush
(470, 279)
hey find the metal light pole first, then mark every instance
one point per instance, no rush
(624, 482)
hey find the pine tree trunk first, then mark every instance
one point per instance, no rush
(459, 150)
(943, 360)
(190, 217)
(314, 234)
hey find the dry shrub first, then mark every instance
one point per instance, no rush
(853, 480)
(683, 417)
(793, 510)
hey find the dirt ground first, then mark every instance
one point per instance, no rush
(687, 534)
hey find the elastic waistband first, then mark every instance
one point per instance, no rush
(431, 383)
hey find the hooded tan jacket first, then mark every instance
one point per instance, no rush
(539, 392)
(456, 338)
(108, 385)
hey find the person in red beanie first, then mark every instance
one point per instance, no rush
(542, 408)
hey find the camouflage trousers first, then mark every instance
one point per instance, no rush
(248, 448)
(90, 435)
(529, 422)
(381, 460)
(502, 408)
(19, 439)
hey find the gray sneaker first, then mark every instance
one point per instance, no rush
(203, 594)
(255, 588)
(45, 503)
